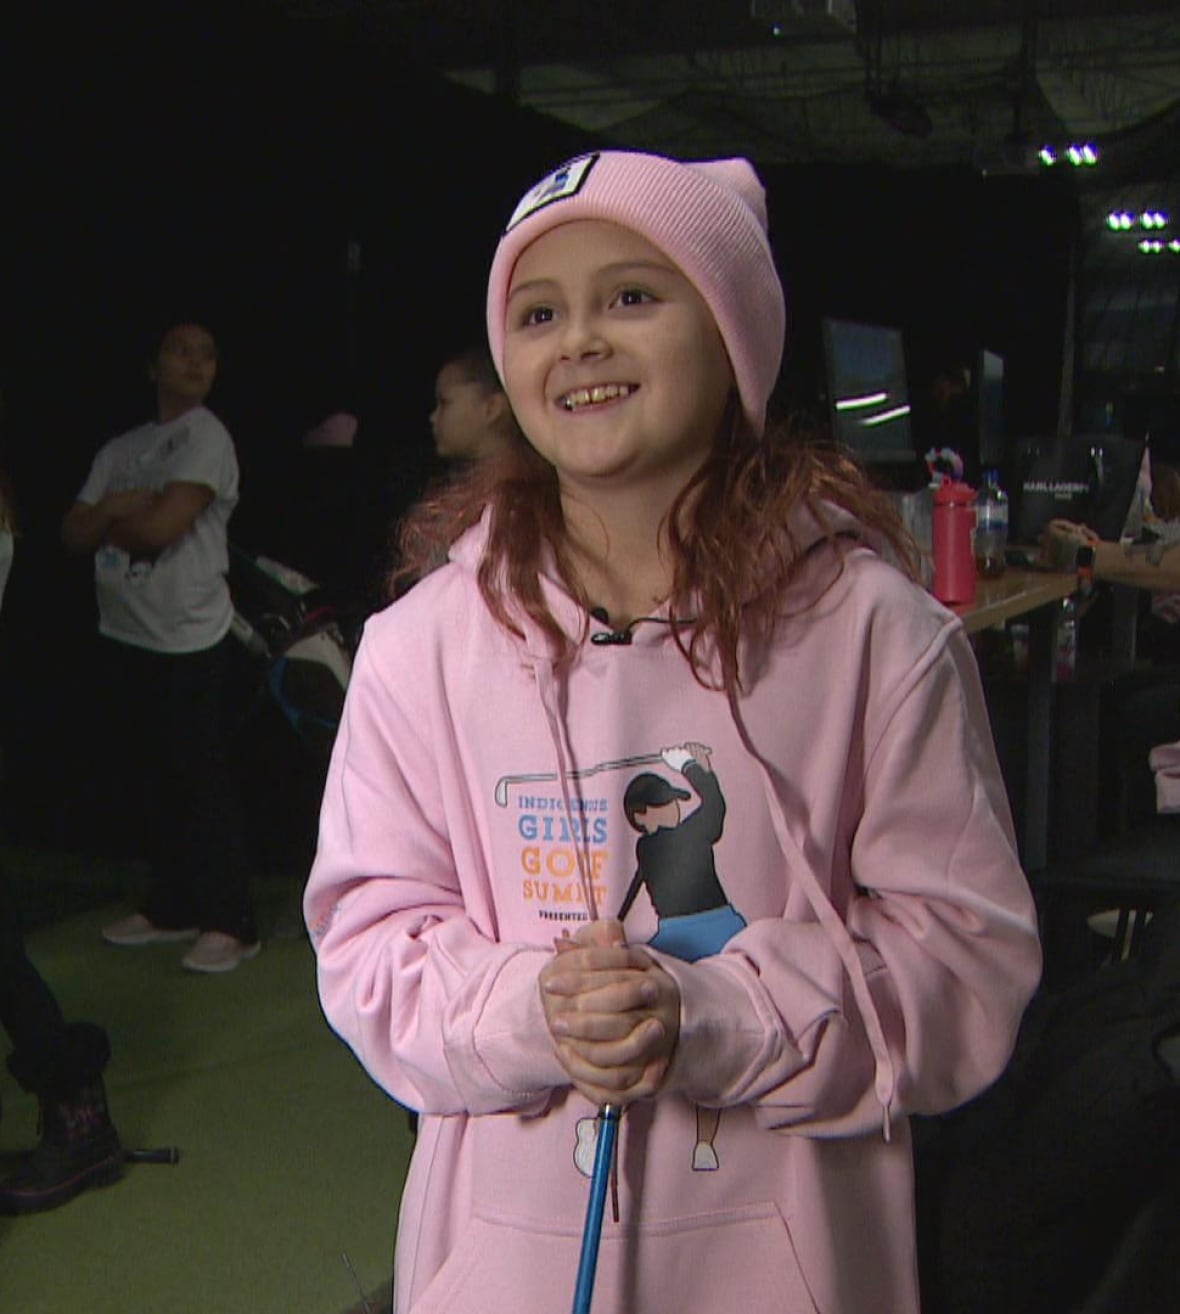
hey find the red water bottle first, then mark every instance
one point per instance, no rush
(952, 535)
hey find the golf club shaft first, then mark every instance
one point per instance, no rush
(608, 1124)
(542, 777)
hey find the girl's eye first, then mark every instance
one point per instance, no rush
(634, 296)
(537, 315)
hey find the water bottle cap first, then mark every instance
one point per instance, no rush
(952, 493)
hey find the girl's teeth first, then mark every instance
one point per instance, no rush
(602, 392)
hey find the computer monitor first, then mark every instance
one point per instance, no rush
(868, 394)
(1088, 478)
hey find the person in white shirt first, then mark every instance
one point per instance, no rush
(154, 512)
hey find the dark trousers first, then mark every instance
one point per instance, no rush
(49, 1057)
(166, 724)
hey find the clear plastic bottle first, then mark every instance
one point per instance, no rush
(1067, 640)
(991, 526)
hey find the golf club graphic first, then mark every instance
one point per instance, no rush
(505, 783)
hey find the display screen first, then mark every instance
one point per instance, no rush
(868, 393)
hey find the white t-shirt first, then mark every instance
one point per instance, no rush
(179, 601)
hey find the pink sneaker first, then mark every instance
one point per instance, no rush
(136, 930)
(215, 951)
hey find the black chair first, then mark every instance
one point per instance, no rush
(1055, 1190)
(1133, 867)
(1141, 1274)
(1135, 873)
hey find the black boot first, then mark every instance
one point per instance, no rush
(79, 1148)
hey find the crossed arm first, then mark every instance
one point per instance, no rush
(138, 520)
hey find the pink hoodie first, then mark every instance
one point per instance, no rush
(848, 831)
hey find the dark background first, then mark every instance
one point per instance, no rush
(211, 162)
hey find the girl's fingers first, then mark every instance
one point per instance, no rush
(581, 1027)
(602, 994)
(604, 931)
(607, 1049)
(610, 1081)
(616, 1086)
(566, 972)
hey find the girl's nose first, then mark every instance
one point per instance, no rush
(582, 336)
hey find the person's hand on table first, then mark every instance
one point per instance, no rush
(1059, 543)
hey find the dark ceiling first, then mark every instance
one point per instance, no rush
(786, 80)
(917, 84)
(304, 111)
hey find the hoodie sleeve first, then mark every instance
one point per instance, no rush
(442, 1016)
(941, 930)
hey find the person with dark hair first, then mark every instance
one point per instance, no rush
(472, 419)
(659, 566)
(61, 1063)
(153, 512)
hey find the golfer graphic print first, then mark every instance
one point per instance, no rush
(674, 862)
(674, 857)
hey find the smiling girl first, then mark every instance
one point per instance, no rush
(660, 581)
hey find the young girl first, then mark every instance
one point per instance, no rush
(660, 607)
(471, 419)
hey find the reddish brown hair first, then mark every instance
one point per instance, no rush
(729, 532)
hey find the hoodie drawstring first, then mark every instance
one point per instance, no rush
(547, 688)
(885, 1075)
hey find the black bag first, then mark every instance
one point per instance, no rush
(1089, 479)
(1056, 1191)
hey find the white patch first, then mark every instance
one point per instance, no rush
(561, 183)
(587, 1146)
(704, 1158)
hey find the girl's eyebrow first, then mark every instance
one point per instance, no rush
(636, 266)
(619, 269)
(532, 287)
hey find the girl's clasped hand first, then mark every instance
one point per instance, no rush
(613, 1012)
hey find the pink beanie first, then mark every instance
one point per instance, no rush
(708, 217)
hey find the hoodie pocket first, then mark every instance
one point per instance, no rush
(743, 1259)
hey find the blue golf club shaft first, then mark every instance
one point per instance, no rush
(608, 1125)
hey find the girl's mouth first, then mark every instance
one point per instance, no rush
(579, 398)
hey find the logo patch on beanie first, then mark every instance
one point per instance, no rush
(563, 182)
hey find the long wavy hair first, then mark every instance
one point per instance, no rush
(729, 532)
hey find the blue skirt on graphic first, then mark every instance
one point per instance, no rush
(697, 935)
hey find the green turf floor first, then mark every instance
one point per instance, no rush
(290, 1158)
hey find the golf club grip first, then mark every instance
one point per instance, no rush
(608, 1123)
